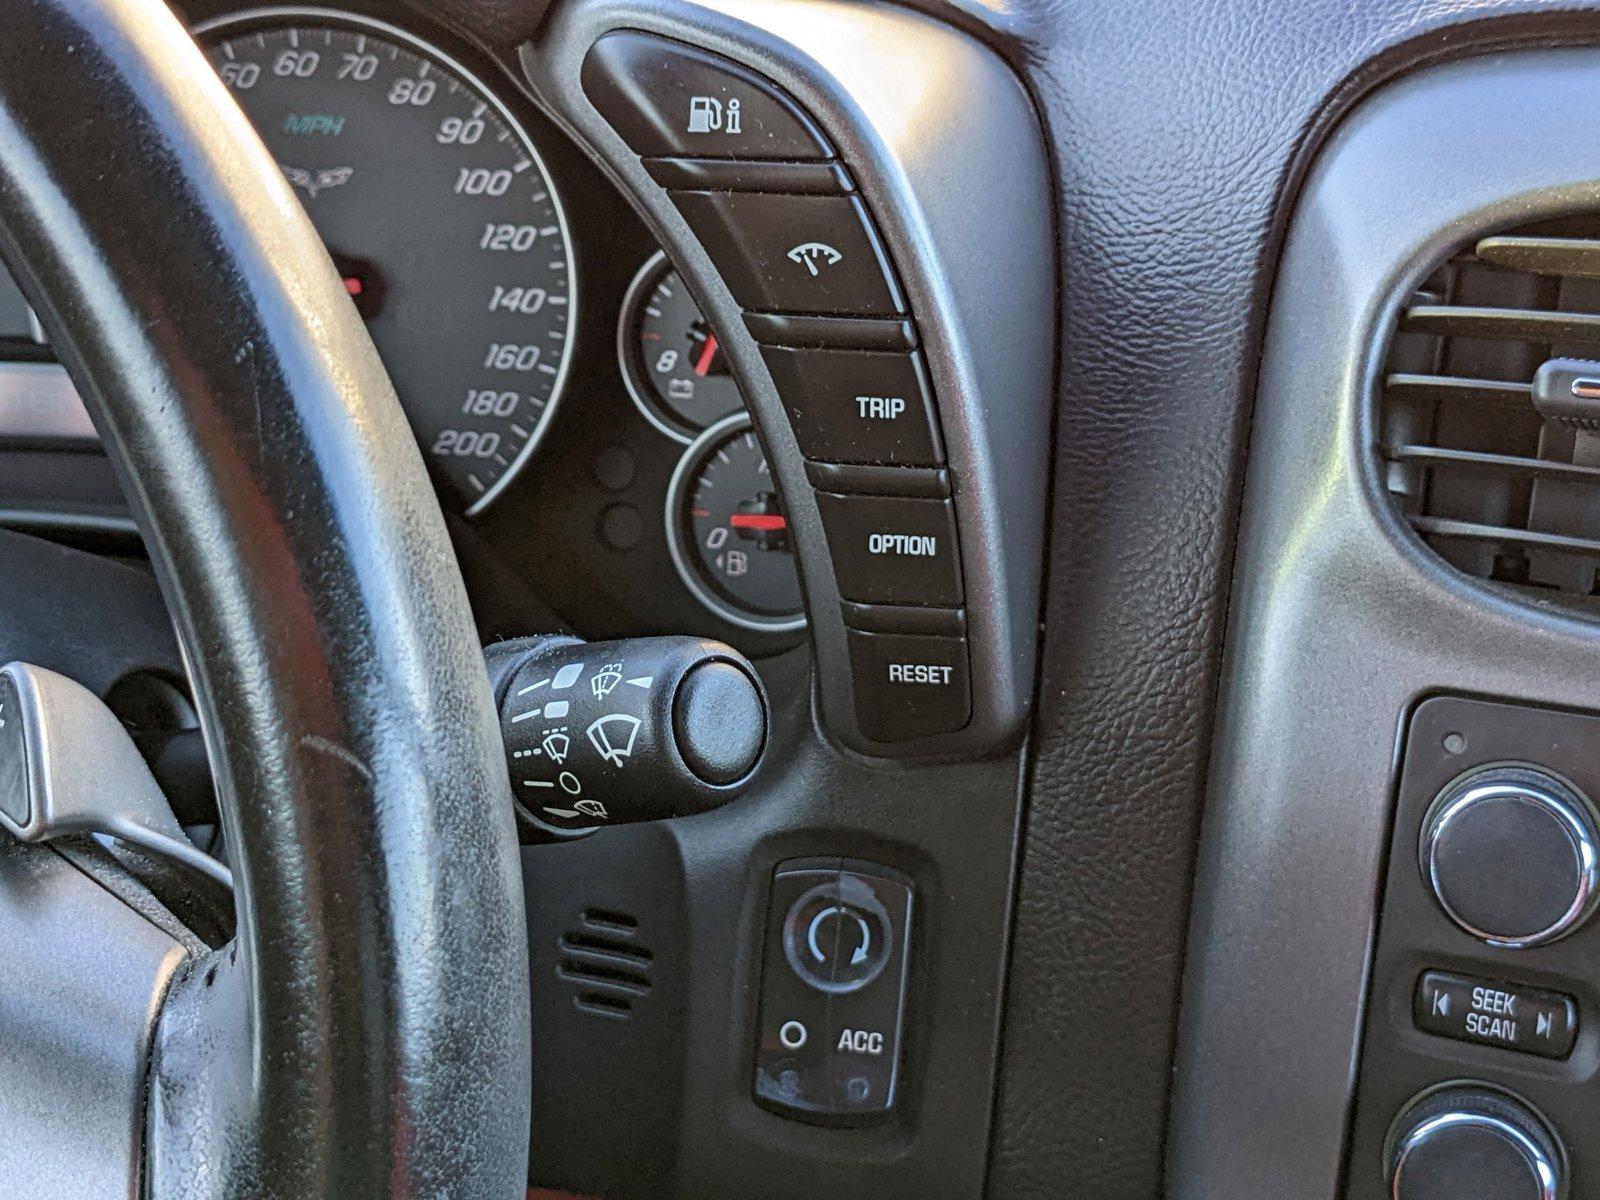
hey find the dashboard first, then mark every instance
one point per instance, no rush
(1221, 452)
(573, 406)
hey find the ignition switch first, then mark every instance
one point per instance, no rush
(605, 733)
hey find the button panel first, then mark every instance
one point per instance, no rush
(1507, 1015)
(833, 991)
(808, 254)
(666, 98)
(782, 220)
(1446, 1003)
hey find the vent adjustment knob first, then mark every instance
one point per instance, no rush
(1512, 856)
(1567, 390)
(1469, 1142)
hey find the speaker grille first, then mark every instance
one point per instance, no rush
(605, 964)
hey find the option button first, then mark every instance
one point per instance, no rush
(893, 550)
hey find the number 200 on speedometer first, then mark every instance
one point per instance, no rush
(439, 215)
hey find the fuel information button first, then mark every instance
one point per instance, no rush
(666, 98)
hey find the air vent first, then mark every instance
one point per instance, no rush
(1500, 486)
(604, 961)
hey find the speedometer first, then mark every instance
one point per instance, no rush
(439, 215)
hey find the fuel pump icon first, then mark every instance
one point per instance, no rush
(707, 114)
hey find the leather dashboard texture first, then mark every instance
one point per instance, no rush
(1179, 130)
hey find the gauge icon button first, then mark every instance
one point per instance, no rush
(728, 534)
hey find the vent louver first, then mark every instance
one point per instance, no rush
(1499, 483)
(606, 964)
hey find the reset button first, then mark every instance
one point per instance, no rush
(909, 685)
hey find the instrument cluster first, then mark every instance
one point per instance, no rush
(574, 408)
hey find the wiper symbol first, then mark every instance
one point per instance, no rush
(613, 737)
(605, 679)
(557, 745)
(807, 254)
(332, 177)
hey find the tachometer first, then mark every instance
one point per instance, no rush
(439, 214)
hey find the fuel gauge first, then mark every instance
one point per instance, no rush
(727, 533)
(673, 363)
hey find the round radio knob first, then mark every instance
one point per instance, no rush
(1472, 1143)
(1512, 856)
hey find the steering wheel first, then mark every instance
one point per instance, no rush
(366, 1032)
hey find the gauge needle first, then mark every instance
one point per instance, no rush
(764, 521)
(707, 353)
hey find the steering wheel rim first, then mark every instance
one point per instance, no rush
(367, 1032)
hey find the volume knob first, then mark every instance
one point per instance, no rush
(1512, 856)
(1470, 1142)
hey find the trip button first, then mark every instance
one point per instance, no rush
(1489, 1013)
(857, 406)
(805, 254)
(893, 550)
(666, 98)
(909, 685)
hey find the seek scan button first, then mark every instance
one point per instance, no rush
(1491, 1013)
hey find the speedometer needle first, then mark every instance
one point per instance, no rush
(707, 353)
